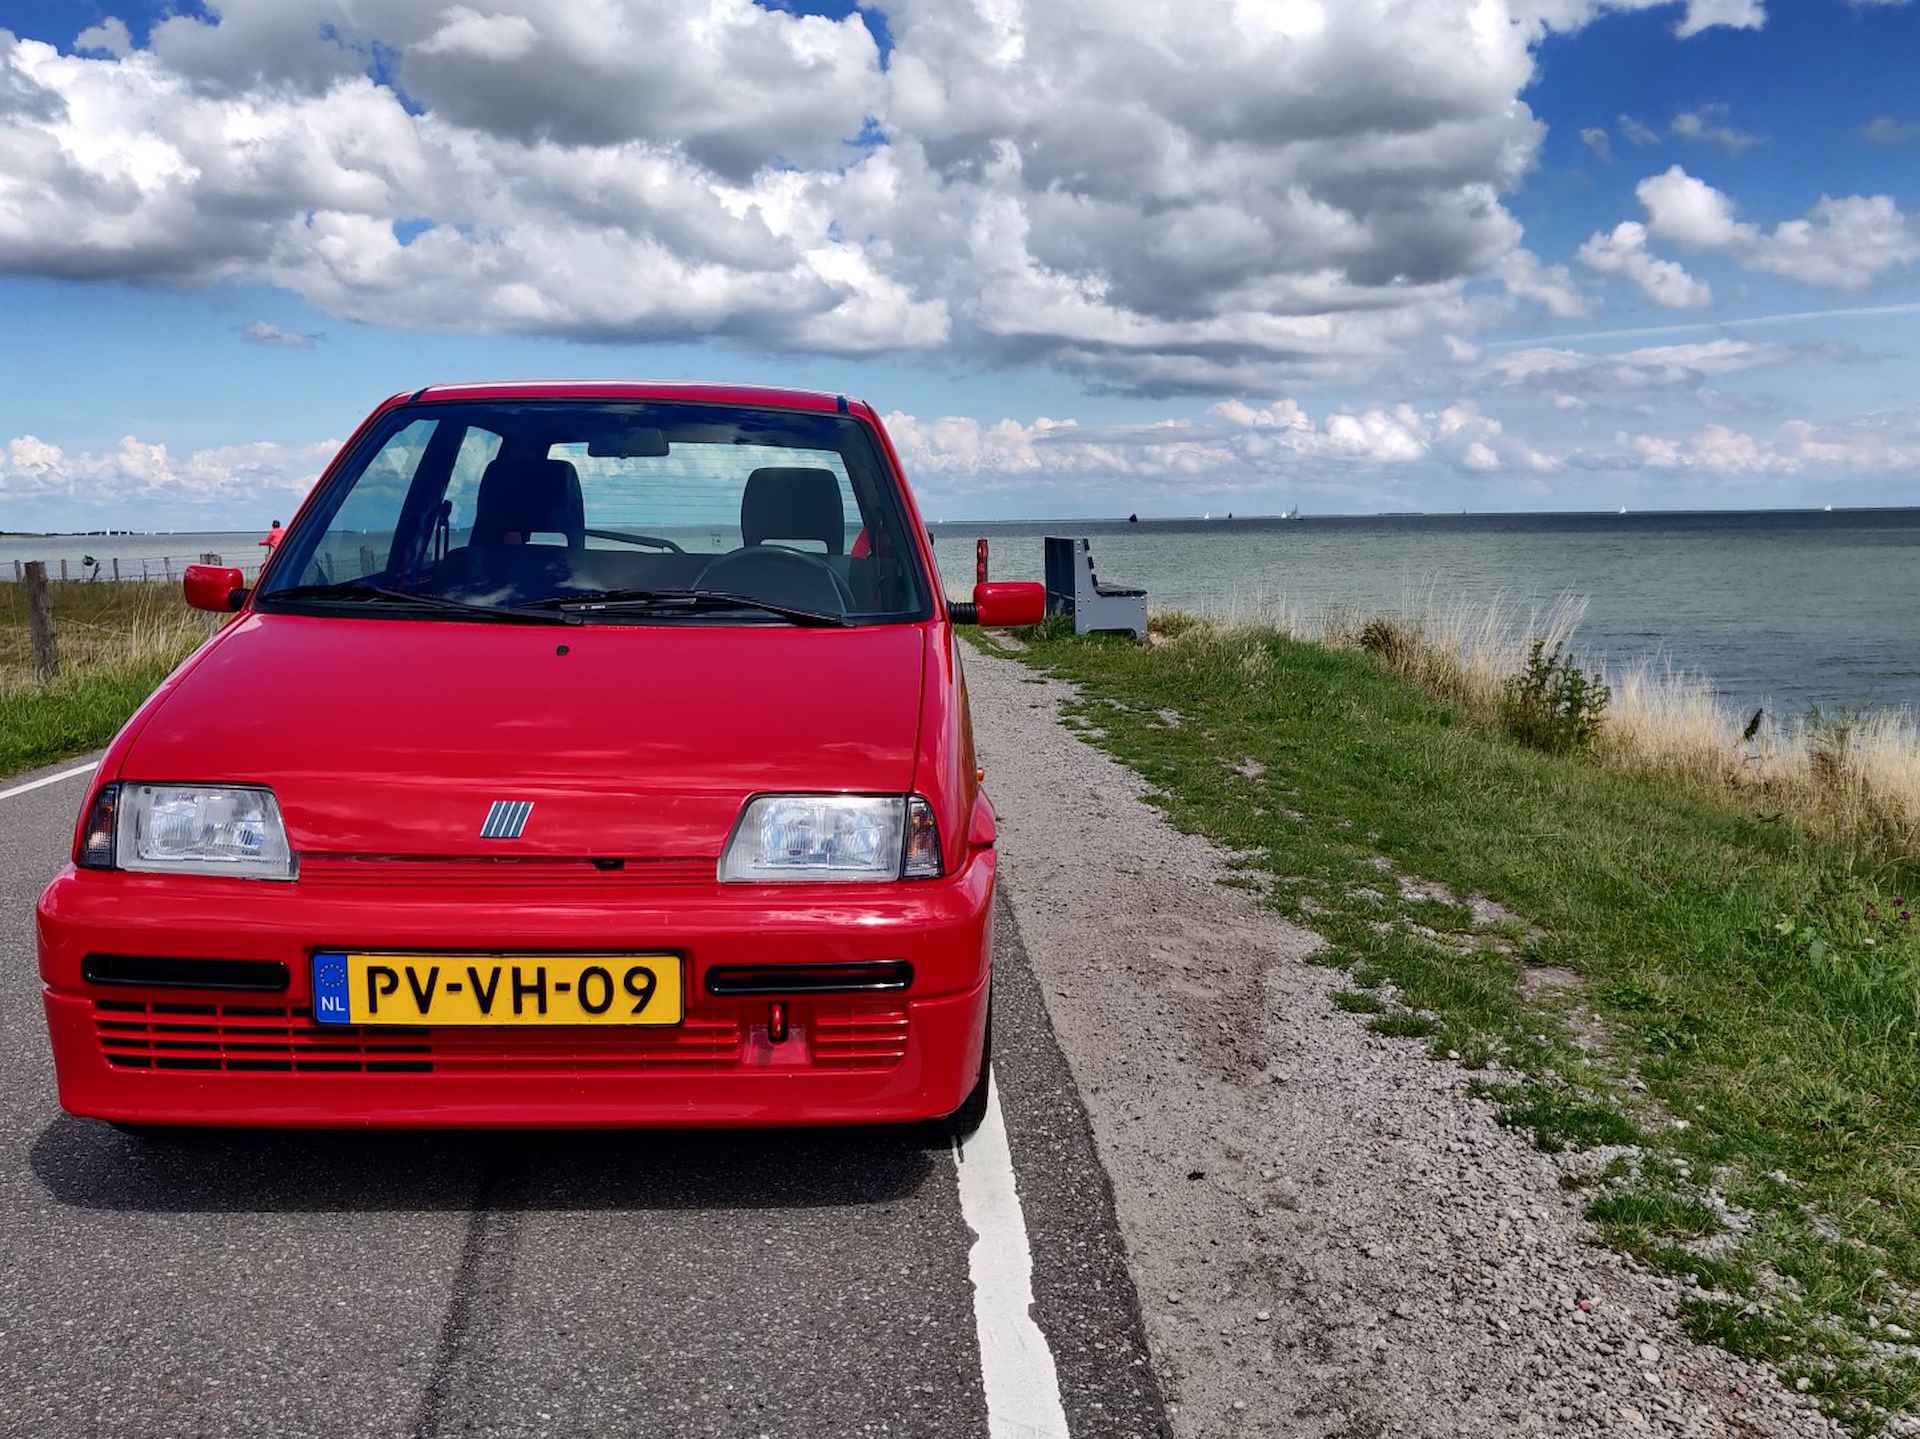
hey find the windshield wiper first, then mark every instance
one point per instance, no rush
(360, 590)
(682, 602)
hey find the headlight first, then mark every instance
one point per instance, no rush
(192, 829)
(833, 837)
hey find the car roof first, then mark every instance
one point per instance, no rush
(690, 392)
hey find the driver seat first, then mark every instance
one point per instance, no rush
(787, 502)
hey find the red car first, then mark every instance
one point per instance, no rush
(587, 754)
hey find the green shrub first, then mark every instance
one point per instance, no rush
(1553, 704)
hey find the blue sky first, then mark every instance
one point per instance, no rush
(1536, 254)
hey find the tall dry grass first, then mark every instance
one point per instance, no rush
(100, 628)
(1855, 774)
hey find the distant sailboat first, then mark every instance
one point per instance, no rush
(1829, 509)
(1623, 509)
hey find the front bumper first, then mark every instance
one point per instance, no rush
(207, 1057)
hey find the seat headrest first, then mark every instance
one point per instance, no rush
(789, 503)
(519, 498)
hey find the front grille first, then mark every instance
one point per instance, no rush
(862, 1037)
(251, 1037)
(269, 1039)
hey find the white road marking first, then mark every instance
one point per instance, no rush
(1016, 1367)
(50, 779)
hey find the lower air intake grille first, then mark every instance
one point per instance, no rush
(863, 1037)
(261, 1038)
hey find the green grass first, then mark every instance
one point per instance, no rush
(40, 726)
(1560, 1120)
(115, 642)
(1655, 1211)
(1749, 990)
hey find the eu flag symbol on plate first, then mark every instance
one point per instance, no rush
(330, 989)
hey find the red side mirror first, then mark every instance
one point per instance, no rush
(1008, 604)
(220, 588)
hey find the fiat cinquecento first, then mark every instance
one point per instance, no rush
(585, 754)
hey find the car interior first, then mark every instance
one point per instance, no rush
(536, 532)
(530, 535)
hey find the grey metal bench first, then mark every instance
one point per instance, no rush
(1073, 588)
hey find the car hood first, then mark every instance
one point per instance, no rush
(394, 737)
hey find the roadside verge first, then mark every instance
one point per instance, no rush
(1330, 1232)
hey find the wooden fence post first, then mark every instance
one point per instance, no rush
(17, 573)
(116, 569)
(46, 658)
(63, 572)
(166, 562)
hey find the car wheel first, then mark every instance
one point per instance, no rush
(964, 1120)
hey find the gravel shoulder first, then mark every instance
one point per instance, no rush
(1329, 1235)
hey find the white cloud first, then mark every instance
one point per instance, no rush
(1550, 286)
(1222, 197)
(1243, 444)
(1597, 140)
(1886, 130)
(1624, 252)
(110, 36)
(1844, 243)
(1710, 125)
(1735, 14)
(1690, 212)
(1638, 133)
(260, 332)
(737, 85)
(145, 472)
(1884, 444)
(1650, 367)
(1699, 15)
(495, 38)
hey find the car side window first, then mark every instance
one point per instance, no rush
(478, 447)
(360, 537)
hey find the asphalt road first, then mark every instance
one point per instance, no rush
(790, 1284)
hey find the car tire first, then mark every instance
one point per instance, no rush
(964, 1120)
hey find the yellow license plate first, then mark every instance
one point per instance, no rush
(418, 989)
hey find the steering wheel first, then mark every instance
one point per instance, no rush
(779, 576)
(656, 541)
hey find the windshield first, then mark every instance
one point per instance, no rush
(628, 509)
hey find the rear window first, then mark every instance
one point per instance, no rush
(507, 505)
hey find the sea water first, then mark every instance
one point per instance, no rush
(1789, 609)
